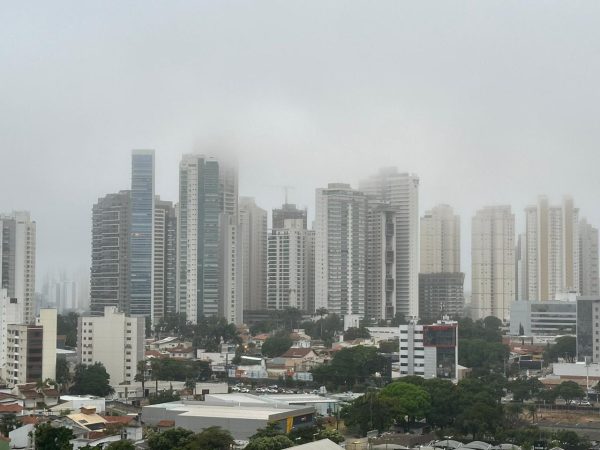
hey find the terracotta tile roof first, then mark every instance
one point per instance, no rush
(50, 392)
(296, 353)
(154, 354)
(180, 349)
(5, 396)
(14, 408)
(166, 423)
(123, 420)
(30, 394)
(27, 420)
(261, 337)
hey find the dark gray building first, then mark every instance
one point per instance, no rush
(287, 211)
(440, 294)
(588, 329)
(110, 271)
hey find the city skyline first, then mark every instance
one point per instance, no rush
(484, 112)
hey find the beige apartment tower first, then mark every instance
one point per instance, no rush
(493, 262)
(440, 241)
(552, 251)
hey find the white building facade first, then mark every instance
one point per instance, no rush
(290, 269)
(440, 240)
(17, 258)
(340, 246)
(401, 191)
(115, 340)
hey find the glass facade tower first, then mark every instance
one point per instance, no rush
(142, 233)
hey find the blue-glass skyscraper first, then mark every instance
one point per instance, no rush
(142, 233)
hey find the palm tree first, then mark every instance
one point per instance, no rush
(141, 375)
(531, 411)
(322, 312)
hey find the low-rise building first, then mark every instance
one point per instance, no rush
(429, 351)
(241, 421)
(542, 318)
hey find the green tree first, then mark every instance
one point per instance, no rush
(91, 380)
(482, 354)
(179, 370)
(332, 435)
(8, 423)
(121, 445)
(399, 319)
(570, 440)
(569, 390)
(350, 366)
(276, 345)
(47, 437)
(175, 323)
(479, 419)
(141, 375)
(407, 401)
(210, 332)
(564, 347)
(277, 442)
(66, 325)
(272, 429)
(175, 438)
(392, 346)
(63, 373)
(368, 412)
(525, 388)
(444, 397)
(163, 397)
(211, 438)
(356, 333)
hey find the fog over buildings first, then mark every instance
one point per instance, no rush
(487, 103)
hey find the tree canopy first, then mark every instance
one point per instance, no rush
(564, 347)
(67, 325)
(350, 366)
(276, 345)
(179, 370)
(406, 400)
(48, 437)
(91, 380)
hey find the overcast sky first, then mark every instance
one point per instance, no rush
(488, 102)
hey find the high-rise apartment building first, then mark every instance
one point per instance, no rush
(253, 230)
(31, 350)
(588, 259)
(552, 252)
(381, 260)
(288, 211)
(441, 294)
(290, 267)
(11, 313)
(115, 339)
(109, 275)
(165, 259)
(207, 202)
(401, 191)
(340, 249)
(141, 241)
(17, 257)
(231, 270)
(440, 240)
(493, 262)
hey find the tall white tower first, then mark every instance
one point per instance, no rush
(401, 191)
(17, 257)
(340, 249)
